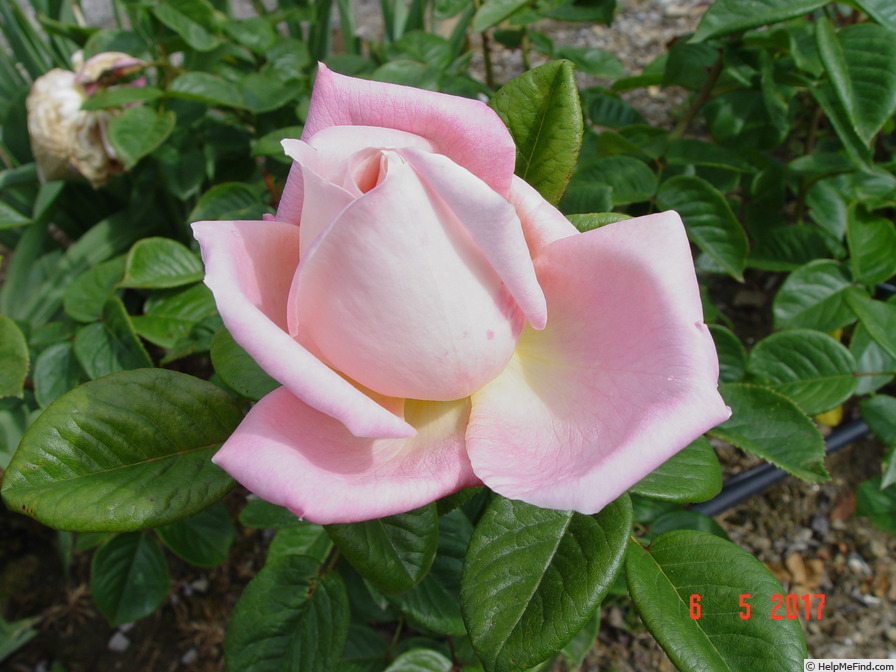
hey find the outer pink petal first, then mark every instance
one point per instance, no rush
(466, 131)
(249, 268)
(542, 222)
(492, 223)
(291, 455)
(623, 376)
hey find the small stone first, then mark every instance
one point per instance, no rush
(189, 657)
(891, 634)
(119, 643)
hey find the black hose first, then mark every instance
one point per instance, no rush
(746, 484)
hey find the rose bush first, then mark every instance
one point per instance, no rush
(436, 324)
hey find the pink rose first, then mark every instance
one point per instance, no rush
(436, 324)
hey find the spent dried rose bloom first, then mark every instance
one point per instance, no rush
(67, 141)
(436, 324)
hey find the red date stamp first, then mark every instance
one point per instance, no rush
(781, 607)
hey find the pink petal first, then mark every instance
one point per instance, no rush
(249, 268)
(466, 131)
(293, 456)
(542, 222)
(622, 378)
(493, 224)
(399, 298)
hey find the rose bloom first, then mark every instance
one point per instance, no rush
(436, 324)
(67, 141)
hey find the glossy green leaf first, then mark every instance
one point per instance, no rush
(870, 359)
(171, 315)
(13, 358)
(306, 538)
(861, 64)
(433, 602)
(872, 247)
(592, 61)
(809, 367)
(85, 297)
(685, 519)
(691, 152)
(203, 540)
(229, 200)
(814, 297)
(238, 369)
(579, 646)
(631, 180)
(421, 660)
(129, 577)
(138, 131)
(533, 577)
(194, 33)
(732, 354)
(767, 424)
(263, 515)
(879, 413)
(161, 263)
(724, 17)
(878, 504)
(289, 617)
(206, 88)
(663, 577)
(110, 345)
(541, 109)
(492, 12)
(256, 33)
(129, 451)
(56, 371)
(882, 11)
(596, 220)
(393, 553)
(15, 634)
(125, 95)
(692, 475)
(708, 220)
(10, 217)
(265, 92)
(878, 317)
(365, 651)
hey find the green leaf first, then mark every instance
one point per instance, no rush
(169, 316)
(203, 540)
(269, 144)
(85, 297)
(592, 61)
(767, 424)
(596, 220)
(263, 515)
(206, 88)
(870, 358)
(708, 220)
(685, 519)
(541, 109)
(690, 152)
(303, 539)
(679, 564)
(15, 634)
(861, 64)
(433, 602)
(724, 17)
(229, 200)
(289, 617)
(138, 131)
(420, 660)
(393, 553)
(13, 358)
(121, 97)
(809, 367)
(533, 577)
(129, 577)
(579, 646)
(880, 414)
(365, 650)
(878, 317)
(160, 263)
(872, 247)
(110, 345)
(692, 475)
(878, 504)
(124, 452)
(732, 354)
(882, 11)
(265, 92)
(238, 369)
(631, 180)
(814, 297)
(10, 217)
(56, 371)
(192, 32)
(255, 33)
(492, 12)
